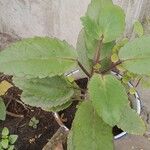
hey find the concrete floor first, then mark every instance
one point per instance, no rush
(131, 142)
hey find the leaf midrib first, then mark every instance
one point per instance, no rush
(41, 59)
(138, 58)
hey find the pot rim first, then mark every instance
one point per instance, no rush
(119, 76)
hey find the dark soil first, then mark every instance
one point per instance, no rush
(29, 138)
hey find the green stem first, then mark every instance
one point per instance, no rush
(97, 53)
(113, 66)
(84, 70)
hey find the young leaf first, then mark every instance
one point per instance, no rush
(2, 110)
(5, 143)
(135, 56)
(5, 131)
(108, 97)
(120, 44)
(132, 90)
(114, 58)
(13, 139)
(38, 57)
(131, 122)
(45, 93)
(82, 51)
(31, 124)
(11, 147)
(4, 86)
(34, 126)
(104, 18)
(89, 132)
(1, 148)
(138, 28)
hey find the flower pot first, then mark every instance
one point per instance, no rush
(135, 104)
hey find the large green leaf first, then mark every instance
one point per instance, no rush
(89, 46)
(104, 18)
(2, 110)
(59, 107)
(47, 93)
(82, 51)
(108, 97)
(136, 56)
(38, 57)
(131, 122)
(89, 132)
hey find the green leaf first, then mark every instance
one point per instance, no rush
(91, 45)
(5, 143)
(11, 147)
(45, 93)
(5, 131)
(82, 51)
(38, 57)
(138, 28)
(131, 122)
(114, 58)
(2, 110)
(34, 126)
(13, 139)
(59, 107)
(31, 123)
(1, 148)
(89, 132)
(105, 64)
(106, 50)
(132, 90)
(5, 136)
(135, 56)
(108, 97)
(104, 18)
(37, 121)
(120, 44)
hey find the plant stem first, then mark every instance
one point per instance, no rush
(113, 66)
(97, 53)
(84, 70)
(138, 82)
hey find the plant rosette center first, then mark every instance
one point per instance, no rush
(134, 100)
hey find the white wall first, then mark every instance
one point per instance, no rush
(60, 18)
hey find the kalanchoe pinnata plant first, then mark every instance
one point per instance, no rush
(39, 66)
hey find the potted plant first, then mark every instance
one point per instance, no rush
(39, 66)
